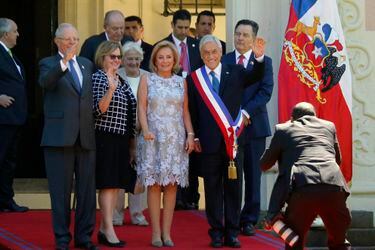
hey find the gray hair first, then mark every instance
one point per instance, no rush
(209, 38)
(132, 46)
(62, 26)
(301, 109)
(110, 14)
(5, 26)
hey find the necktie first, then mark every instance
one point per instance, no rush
(215, 82)
(184, 60)
(241, 60)
(74, 74)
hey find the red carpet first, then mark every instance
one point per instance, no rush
(33, 230)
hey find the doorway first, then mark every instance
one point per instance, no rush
(36, 21)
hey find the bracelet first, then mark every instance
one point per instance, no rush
(191, 133)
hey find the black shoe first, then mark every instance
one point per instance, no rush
(62, 247)
(13, 207)
(191, 206)
(102, 239)
(248, 229)
(180, 205)
(232, 242)
(87, 245)
(216, 242)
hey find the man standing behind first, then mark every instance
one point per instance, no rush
(69, 138)
(205, 25)
(215, 113)
(254, 103)
(114, 26)
(187, 47)
(13, 112)
(308, 156)
(134, 28)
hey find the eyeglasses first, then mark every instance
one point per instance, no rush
(113, 57)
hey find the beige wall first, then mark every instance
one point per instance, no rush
(87, 16)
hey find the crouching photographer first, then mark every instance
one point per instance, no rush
(310, 181)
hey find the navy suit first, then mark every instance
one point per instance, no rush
(254, 101)
(69, 147)
(90, 45)
(223, 196)
(13, 84)
(147, 50)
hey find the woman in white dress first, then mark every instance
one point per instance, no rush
(131, 73)
(168, 137)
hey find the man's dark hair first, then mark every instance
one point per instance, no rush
(134, 18)
(181, 15)
(253, 24)
(301, 109)
(206, 13)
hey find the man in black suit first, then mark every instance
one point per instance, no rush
(217, 87)
(187, 198)
(13, 112)
(114, 26)
(310, 180)
(205, 25)
(69, 138)
(180, 37)
(134, 28)
(254, 103)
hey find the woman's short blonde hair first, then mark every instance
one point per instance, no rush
(159, 46)
(104, 49)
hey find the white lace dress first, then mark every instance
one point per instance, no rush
(164, 160)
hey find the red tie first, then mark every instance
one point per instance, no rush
(241, 60)
(184, 61)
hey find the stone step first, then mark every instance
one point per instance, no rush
(362, 219)
(364, 237)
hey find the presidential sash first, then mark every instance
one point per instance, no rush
(230, 129)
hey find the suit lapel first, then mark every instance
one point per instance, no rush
(192, 46)
(225, 74)
(250, 64)
(84, 75)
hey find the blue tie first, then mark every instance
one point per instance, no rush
(215, 82)
(74, 74)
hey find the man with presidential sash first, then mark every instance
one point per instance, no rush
(215, 95)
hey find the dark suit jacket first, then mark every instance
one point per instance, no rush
(193, 50)
(307, 152)
(67, 113)
(147, 50)
(90, 45)
(255, 98)
(14, 85)
(234, 79)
